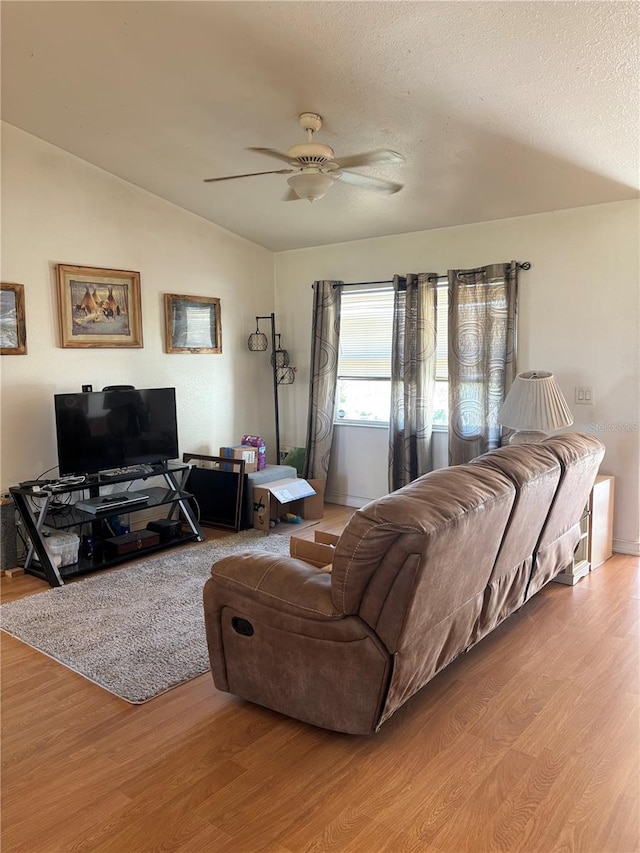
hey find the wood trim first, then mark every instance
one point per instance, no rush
(21, 324)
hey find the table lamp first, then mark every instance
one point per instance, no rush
(533, 407)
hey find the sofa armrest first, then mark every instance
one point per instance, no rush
(279, 582)
(275, 638)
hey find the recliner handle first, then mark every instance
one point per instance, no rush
(242, 626)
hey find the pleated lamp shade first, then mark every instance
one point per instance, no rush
(534, 406)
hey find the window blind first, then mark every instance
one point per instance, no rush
(442, 326)
(366, 318)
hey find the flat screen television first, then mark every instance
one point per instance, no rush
(101, 430)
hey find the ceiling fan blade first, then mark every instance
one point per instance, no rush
(368, 183)
(381, 156)
(271, 152)
(249, 175)
(290, 196)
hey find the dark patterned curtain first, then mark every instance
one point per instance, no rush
(325, 337)
(482, 330)
(413, 376)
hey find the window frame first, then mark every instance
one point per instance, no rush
(442, 333)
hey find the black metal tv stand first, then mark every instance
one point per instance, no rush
(37, 507)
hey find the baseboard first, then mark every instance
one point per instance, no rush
(626, 546)
(346, 500)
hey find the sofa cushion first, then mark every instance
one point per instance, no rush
(535, 472)
(422, 592)
(434, 515)
(580, 456)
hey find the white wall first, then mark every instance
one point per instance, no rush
(57, 208)
(579, 315)
(579, 318)
(358, 471)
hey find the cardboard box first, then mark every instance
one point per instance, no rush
(318, 553)
(326, 538)
(241, 451)
(300, 497)
(314, 505)
(313, 553)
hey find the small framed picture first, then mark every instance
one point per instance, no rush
(193, 324)
(99, 307)
(13, 328)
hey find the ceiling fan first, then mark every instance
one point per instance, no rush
(316, 168)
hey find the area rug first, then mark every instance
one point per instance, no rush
(138, 631)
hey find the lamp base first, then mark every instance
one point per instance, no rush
(527, 436)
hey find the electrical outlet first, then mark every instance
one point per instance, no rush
(584, 395)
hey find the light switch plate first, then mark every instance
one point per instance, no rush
(584, 395)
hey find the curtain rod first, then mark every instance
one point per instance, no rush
(525, 265)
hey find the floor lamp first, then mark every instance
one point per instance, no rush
(283, 374)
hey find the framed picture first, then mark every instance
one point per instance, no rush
(13, 329)
(99, 307)
(193, 323)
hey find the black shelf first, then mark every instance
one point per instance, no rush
(64, 515)
(68, 516)
(106, 561)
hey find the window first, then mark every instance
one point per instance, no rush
(364, 361)
(441, 394)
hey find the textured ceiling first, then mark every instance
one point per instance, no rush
(500, 108)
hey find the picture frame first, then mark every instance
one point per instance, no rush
(13, 327)
(99, 307)
(193, 324)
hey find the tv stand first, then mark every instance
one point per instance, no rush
(42, 506)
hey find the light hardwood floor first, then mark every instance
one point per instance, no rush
(530, 742)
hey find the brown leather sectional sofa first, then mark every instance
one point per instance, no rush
(419, 576)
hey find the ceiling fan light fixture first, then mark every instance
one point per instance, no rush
(310, 185)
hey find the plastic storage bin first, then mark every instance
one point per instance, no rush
(63, 547)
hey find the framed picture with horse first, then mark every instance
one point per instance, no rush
(99, 307)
